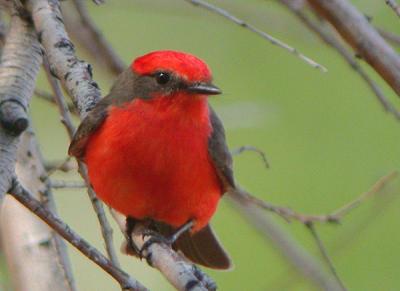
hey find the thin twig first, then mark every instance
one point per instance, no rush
(332, 41)
(311, 227)
(259, 32)
(26, 199)
(242, 149)
(389, 36)
(94, 41)
(50, 98)
(66, 119)
(340, 243)
(58, 184)
(333, 217)
(393, 4)
(65, 166)
(293, 251)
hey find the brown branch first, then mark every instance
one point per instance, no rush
(333, 217)
(362, 36)
(263, 34)
(26, 199)
(332, 41)
(92, 39)
(393, 4)
(389, 36)
(342, 242)
(304, 263)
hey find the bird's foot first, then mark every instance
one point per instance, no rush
(155, 237)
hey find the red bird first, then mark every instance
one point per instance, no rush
(156, 151)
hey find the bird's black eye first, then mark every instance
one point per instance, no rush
(162, 78)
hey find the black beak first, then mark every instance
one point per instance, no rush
(204, 88)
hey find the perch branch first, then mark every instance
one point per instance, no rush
(178, 271)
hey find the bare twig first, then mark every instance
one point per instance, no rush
(361, 35)
(26, 199)
(50, 98)
(177, 270)
(389, 36)
(393, 4)
(93, 40)
(65, 166)
(322, 249)
(341, 243)
(57, 184)
(259, 32)
(332, 41)
(334, 217)
(304, 263)
(242, 149)
(66, 119)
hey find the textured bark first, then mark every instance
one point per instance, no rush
(36, 257)
(182, 274)
(354, 27)
(74, 74)
(20, 61)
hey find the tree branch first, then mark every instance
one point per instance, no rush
(66, 119)
(264, 35)
(393, 4)
(362, 36)
(20, 62)
(26, 199)
(32, 249)
(182, 274)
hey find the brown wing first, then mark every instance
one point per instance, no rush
(203, 247)
(125, 88)
(87, 127)
(219, 152)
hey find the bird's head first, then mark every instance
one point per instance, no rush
(166, 74)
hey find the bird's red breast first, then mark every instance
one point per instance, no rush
(149, 159)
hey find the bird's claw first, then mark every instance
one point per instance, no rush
(155, 237)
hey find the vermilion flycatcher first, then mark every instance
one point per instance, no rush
(156, 151)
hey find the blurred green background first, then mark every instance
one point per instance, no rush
(325, 135)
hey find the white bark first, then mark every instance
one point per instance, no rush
(36, 258)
